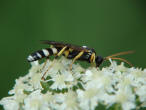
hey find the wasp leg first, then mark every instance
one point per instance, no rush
(77, 57)
(61, 51)
(47, 58)
(92, 59)
(43, 77)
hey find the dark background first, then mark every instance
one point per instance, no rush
(109, 26)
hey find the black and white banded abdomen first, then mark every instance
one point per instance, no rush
(41, 54)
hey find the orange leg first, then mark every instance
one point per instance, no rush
(78, 56)
(43, 77)
(45, 63)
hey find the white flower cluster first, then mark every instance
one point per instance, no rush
(78, 89)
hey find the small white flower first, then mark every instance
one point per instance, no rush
(77, 89)
(78, 71)
(98, 79)
(126, 98)
(141, 92)
(35, 68)
(63, 80)
(58, 65)
(48, 97)
(19, 88)
(9, 103)
(88, 98)
(35, 81)
(68, 101)
(59, 82)
(121, 67)
(35, 101)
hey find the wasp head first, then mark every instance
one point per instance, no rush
(99, 60)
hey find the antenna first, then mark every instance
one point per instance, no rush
(114, 56)
(120, 53)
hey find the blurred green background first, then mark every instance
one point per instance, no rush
(109, 26)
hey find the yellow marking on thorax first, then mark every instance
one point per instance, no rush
(70, 50)
(66, 53)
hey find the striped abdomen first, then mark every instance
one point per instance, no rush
(42, 53)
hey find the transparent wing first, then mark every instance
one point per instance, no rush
(62, 44)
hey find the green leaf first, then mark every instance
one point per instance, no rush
(74, 88)
(115, 106)
(100, 107)
(80, 86)
(64, 90)
(21, 106)
(46, 86)
(48, 78)
(27, 92)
